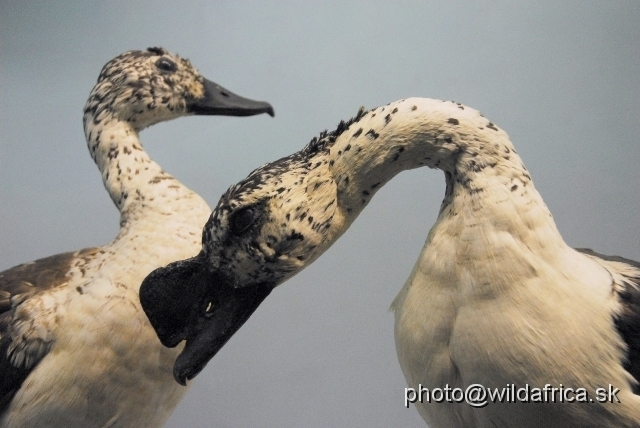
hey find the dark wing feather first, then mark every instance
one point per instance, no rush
(26, 280)
(627, 288)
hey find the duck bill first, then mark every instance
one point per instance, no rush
(184, 301)
(220, 101)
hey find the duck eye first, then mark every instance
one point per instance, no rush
(242, 220)
(166, 65)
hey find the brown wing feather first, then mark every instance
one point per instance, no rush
(26, 280)
(627, 322)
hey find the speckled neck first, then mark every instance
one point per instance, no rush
(133, 180)
(415, 132)
(301, 204)
(489, 191)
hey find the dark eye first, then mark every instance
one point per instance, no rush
(243, 219)
(166, 65)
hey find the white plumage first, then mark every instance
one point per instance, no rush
(76, 350)
(496, 298)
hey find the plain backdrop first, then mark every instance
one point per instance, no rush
(562, 78)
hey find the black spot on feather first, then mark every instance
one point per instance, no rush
(372, 134)
(295, 236)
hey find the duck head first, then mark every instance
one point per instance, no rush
(152, 86)
(263, 231)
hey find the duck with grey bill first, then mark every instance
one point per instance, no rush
(496, 297)
(220, 101)
(71, 326)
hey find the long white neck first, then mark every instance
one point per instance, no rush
(137, 185)
(486, 179)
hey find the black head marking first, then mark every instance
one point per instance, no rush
(157, 51)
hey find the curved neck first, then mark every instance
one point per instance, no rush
(133, 180)
(484, 174)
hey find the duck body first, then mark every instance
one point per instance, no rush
(76, 349)
(521, 339)
(104, 365)
(495, 305)
(496, 299)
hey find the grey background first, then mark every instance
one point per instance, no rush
(562, 78)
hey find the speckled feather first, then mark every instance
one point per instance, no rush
(496, 297)
(76, 349)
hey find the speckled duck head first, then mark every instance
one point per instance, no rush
(147, 87)
(285, 214)
(138, 89)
